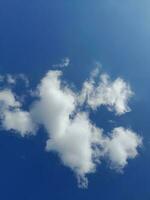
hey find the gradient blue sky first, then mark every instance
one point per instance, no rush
(35, 34)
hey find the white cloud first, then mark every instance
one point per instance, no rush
(12, 117)
(11, 79)
(64, 63)
(56, 103)
(7, 99)
(78, 142)
(80, 145)
(113, 94)
(121, 146)
(19, 121)
(71, 135)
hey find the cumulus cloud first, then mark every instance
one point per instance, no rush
(71, 134)
(12, 116)
(56, 103)
(7, 99)
(122, 146)
(19, 121)
(79, 143)
(78, 147)
(101, 90)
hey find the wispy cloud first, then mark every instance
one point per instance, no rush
(13, 79)
(100, 90)
(64, 63)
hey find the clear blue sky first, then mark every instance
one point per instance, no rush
(34, 34)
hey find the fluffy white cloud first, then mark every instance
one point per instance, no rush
(113, 94)
(56, 104)
(80, 145)
(7, 99)
(19, 121)
(78, 142)
(122, 146)
(71, 135)
(12, 117)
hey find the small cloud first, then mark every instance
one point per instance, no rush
(111, 121)
(12, 116)
(11, 79)
(64, 63)
(121, 146)
(24, 78)
(103, 91)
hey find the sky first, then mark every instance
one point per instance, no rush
(74, 99)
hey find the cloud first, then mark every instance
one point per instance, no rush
(78, 142)
(101, 90)
(78, 146)
(12, 116)
(56, 103)
(7, 99)
(122, 146)
(71, 134)
(64, 63)
(19, 121)
(10, 79)
(24, 79)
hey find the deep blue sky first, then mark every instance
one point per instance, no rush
(34, 34)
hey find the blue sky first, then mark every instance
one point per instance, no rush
(34, 35)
